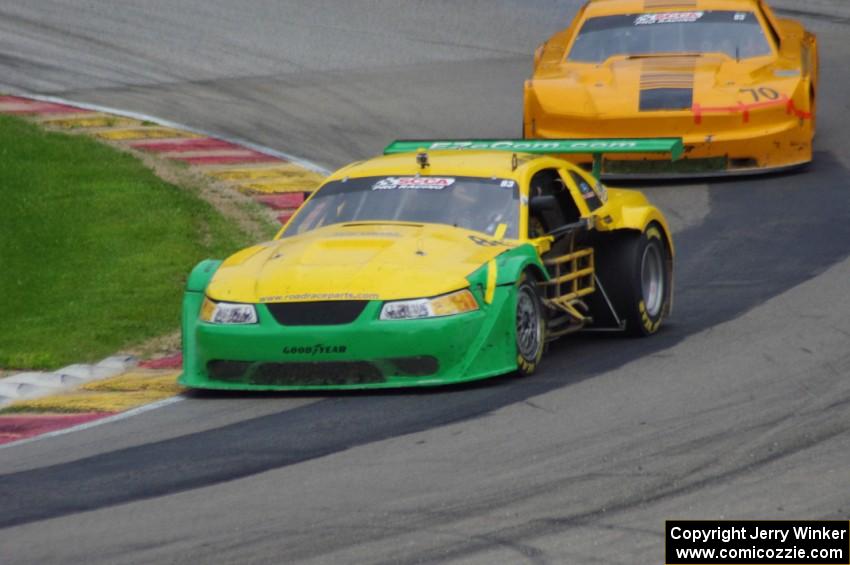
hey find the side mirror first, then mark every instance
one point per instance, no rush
(542, 203)
(538, 53)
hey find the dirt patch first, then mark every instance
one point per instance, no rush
(257, 221)
(157, 347)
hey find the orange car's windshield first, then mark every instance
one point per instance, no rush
(737, 34)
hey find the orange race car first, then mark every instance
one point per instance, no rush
(734, 81)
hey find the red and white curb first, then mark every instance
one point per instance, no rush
(275, 179)
(53, 104)
(19, 430)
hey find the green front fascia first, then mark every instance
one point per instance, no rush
(466, 347)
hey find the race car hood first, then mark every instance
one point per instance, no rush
(625, 85)
(365, 261)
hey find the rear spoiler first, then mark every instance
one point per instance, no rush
(595, 147)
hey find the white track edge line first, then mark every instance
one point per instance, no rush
(167, 123)
(108, 420)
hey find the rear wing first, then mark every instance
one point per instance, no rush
(595, 147)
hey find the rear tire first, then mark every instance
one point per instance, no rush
(637, 280)
(530, 327)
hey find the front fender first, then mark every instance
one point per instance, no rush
(512, 264)
(201, 275)
(197, 283)
(639, 217)
(506, 269)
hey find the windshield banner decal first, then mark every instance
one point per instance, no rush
(669, 18)
(413, 183)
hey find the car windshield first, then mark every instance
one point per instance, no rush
(737, 34)
(472, 203)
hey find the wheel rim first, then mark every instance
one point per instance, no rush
(652, 279)
(528, 327)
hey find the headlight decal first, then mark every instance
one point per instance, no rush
(450, 304)
(406, 310)
(228, 313)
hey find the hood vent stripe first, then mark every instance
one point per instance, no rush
(668, 73)
(667, 84)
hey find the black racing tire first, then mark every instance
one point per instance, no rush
(637, 279)
(530, 323)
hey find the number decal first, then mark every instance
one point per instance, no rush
(768, 93)
(752, 91)
(763, 93)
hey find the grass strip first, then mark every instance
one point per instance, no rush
(94, 248)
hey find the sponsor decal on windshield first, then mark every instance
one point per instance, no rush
(669, 18)
(413, 183)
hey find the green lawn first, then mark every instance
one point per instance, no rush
(94, 248)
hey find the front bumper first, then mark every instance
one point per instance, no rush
(718, 141)
(365, 354)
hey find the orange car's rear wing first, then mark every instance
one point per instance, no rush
(595, 147)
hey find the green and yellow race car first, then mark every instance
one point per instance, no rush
(440, 262)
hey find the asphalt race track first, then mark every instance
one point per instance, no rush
(739, 408)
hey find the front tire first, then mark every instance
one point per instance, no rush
(530, 327)
(639, 281)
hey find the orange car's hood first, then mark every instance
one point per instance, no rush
(621, 86)
(354, 262)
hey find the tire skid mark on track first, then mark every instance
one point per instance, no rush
(694, 469)
(667, 487)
